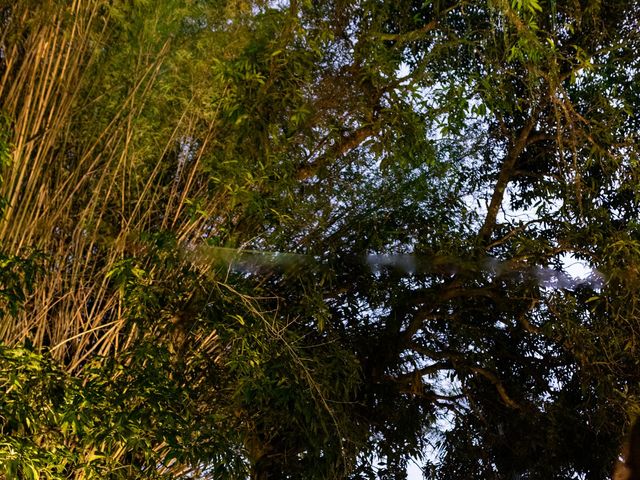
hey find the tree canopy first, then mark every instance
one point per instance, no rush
(318, 239)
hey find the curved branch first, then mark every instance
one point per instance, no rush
(506, 172)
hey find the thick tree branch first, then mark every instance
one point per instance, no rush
(457, 357)
(502, 391)
(340, 148)
(435, 298)
(506, 172)
(412, 36)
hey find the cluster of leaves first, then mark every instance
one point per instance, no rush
(124, 418)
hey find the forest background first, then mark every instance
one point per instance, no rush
(318, 239)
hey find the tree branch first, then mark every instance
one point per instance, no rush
(502, 391)
(345, 145)
(506, 172)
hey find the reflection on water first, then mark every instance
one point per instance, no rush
(573, 274)
(576, 273)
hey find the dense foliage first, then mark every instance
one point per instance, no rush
(318, 239)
